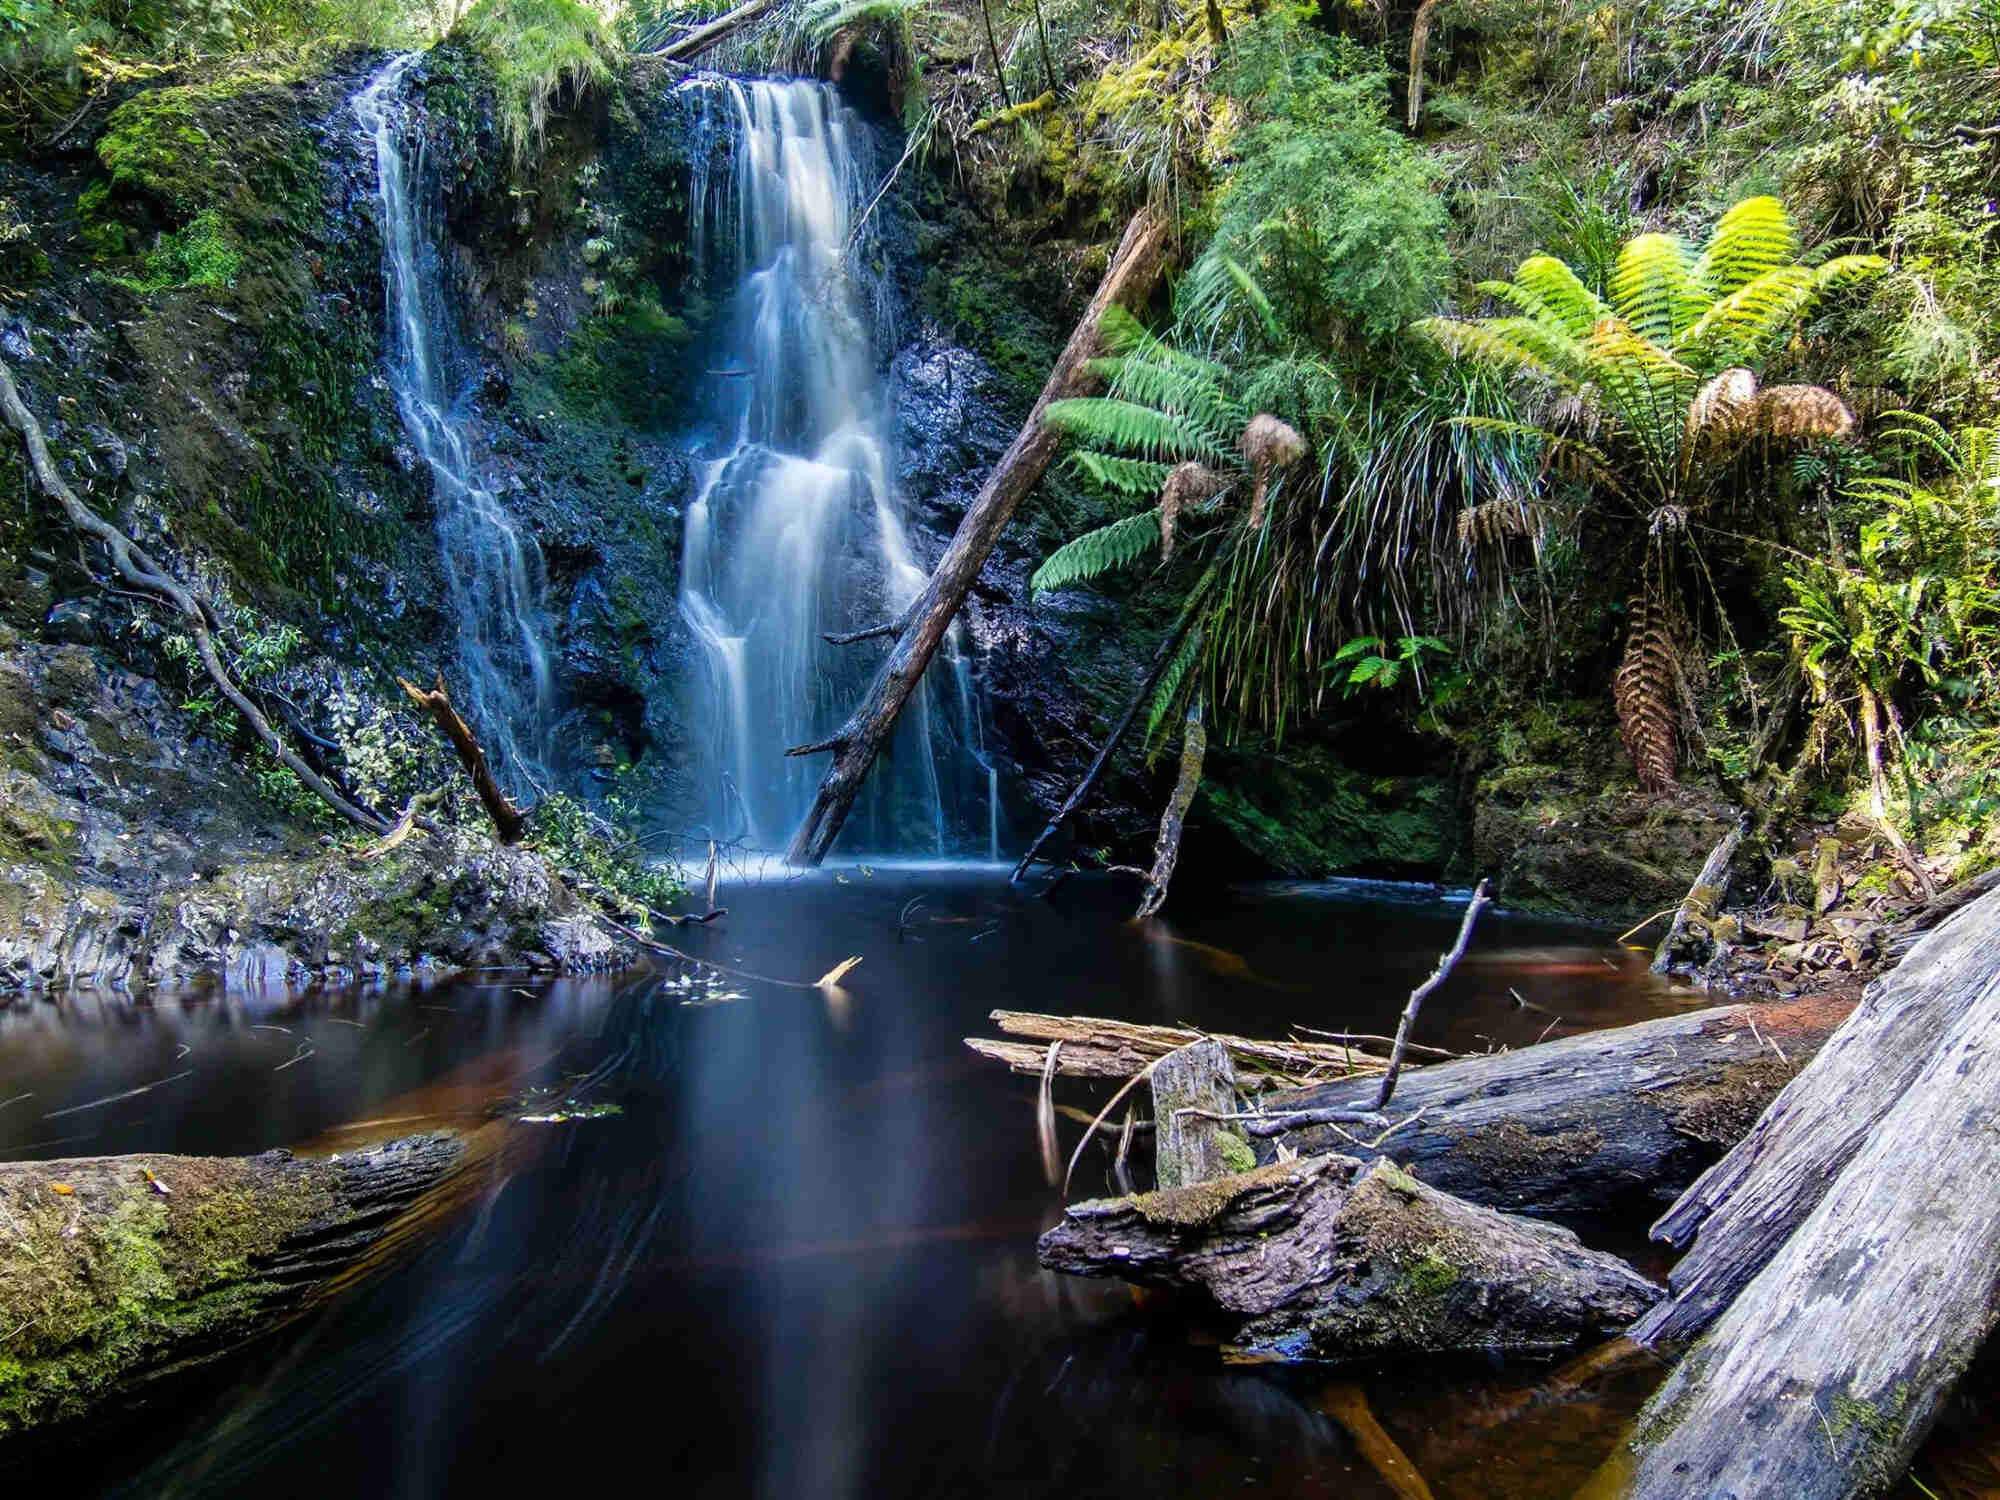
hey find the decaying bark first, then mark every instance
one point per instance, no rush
(1173, 821)
(1826, 1372)
(1750, 1202)
(1703, 901)
(1094, 1047)
(1569, 1126)
(116, 1270)
(1194, 1092)
(141, 572)
(1328, 1258)
(1130, 279)
(507, 820)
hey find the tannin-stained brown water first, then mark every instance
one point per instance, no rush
(800, 1260)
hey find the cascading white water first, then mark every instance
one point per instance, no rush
(796, 530)
(493, 569)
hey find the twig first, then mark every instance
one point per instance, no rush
(1472, 909)
(1278, 1121)
(1635, 931)
(1130, 1083)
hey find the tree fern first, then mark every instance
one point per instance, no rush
(1125, 476)
(1098, 552)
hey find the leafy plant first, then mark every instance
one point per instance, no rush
(1371, 661)
(1657, 401)
(539, 50)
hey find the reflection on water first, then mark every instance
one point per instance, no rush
(800, 1261)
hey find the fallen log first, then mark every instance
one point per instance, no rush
(1331, 1259)
(704, 38)
(1567, 1127)
(1129, 280)
(119, 1270)
(1097, 1048)
(1828, 1370)
(1746, 1205)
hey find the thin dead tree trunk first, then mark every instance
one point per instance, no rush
(999, 72)
(144, 574)
(1704, 898)
(507, 819)
(715, 32)
(1048, 63)
(1445, 964)
(1110, 746)
(1130, 279)
(1173, 822)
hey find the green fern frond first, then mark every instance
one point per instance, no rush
(1096, 552)
(1513, 344)
(822, 18)
(1549, 291)
(1127, 476)
(1654, 289)
(1754, 238)
(1742, 327)
(1106, 422)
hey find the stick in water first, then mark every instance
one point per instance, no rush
(1472, 909)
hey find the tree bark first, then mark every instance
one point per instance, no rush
(1192, 1088)
(1827, 1371)
(1567, 1127)
(1748, 1204)
(1330, 1259)
(507, 820)
(118, 1270)
(1173, 822)
(1130, 279)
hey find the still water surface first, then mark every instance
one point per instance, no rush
(800, 1262)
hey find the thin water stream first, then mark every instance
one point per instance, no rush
(800, 1262)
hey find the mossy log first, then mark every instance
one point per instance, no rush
(1568, 1127)
(1332, 1259)
(1744, 1207)
(116, 1271)
(1830, 1367)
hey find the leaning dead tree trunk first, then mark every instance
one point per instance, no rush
(436, 703)
(1129, 280)
(1749, 1203)
(120, 1269)
(1328, 1258)
(1827, 1371)
(1703, 902)
(1173, 822)
(1566, 1127)
(142, 573)
(1116, 737)
(704, 38)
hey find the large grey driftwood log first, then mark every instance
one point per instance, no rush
(1327, 1258)
(116, 1270)
(1569, 1126)
(1748, 1203)
(1828, 1370)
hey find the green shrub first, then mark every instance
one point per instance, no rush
(538, 49)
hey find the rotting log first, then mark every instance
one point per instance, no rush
(118, 1270)
(1568, 1127)
(1094, 1047)
(1331, 1259)
(507, 820)
(716, 32)
(1194, 1091)
(1827, 1371)
(1746, 1205)
(1133, 271)
(1703, 902)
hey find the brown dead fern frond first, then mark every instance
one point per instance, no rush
(1798, 413)
(1646, 690)
(1491, 524)
(1268, 444)
(1188, 485)
(1722, 409)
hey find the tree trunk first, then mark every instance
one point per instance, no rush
(118, 1270)
(1173, 822)
(1567, 1127)
(702, 38)
(1328, 1258)
(1083, 788)
(1129, 280)
(436, 703)
(1746, 1206)
(1824, 1375)
(1191, 1088)
(1703, 901)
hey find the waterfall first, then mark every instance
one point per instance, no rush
(492, 569)
(796, 529)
